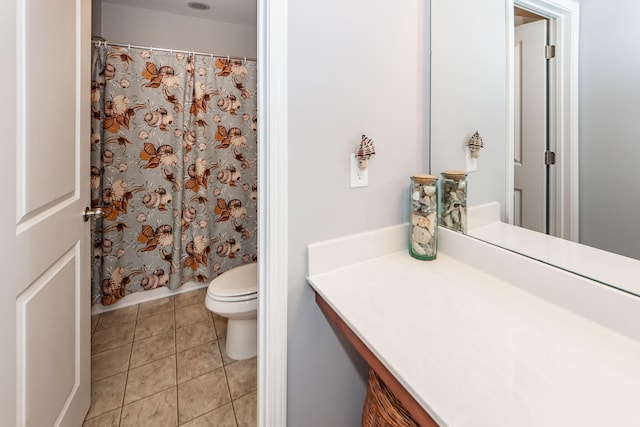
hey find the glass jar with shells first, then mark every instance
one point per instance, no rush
(423, 238)
(453, 212)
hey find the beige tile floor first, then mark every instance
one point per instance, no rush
(162, 363)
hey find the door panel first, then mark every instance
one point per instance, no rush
(531, 124)
(45, 306)
(47, 326)
(50, 113)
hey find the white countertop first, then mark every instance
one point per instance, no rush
(474, 350)
(606, 267)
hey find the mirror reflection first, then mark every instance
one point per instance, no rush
(588, 195)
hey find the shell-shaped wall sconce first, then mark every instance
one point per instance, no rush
(475, 144)
(365, 152)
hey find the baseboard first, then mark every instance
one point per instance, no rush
(146, 296)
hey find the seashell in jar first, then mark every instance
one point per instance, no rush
(415, 219)
(423, 222)
(429, 190)
(455, 216)
(426, 201)
(454, 197)
(429, 222)
(447, 220)
(421, 235)
(415, 195)
(419, 250)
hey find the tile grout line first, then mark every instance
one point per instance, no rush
(218, 343)
(175, 354)
(224, 369)
(126, 381)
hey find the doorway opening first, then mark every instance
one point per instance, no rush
(532, 165)
(558, 184)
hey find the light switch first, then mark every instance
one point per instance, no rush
(359, 177)
(472, 162)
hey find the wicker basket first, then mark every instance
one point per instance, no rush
(382, 408)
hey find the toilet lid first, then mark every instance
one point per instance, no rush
(237, 282)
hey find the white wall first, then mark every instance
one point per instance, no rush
(354, 67)
(609, 125)
(125, 24)
(468, 92)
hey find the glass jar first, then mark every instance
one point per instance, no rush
(453, 209)
(423, 233)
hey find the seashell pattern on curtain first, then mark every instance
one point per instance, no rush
(174, 166)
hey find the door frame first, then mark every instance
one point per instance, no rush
(563, 114)
(272, 212)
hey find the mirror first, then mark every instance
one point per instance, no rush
(470, 71)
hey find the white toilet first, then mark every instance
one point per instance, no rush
(234, 295)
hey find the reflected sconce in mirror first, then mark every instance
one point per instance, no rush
(475, 144)
(365, 152)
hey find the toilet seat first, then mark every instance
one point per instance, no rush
(236, 285)
(233, 298)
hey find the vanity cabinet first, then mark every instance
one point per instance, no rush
(406, 400)
(481, 336)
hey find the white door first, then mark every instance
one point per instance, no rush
(45, 300)
(530, 182)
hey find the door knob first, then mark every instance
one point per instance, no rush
(92, 213)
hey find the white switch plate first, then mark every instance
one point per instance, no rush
(359, 178)
(472, 164)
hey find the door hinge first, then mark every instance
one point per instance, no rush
(549, 52)
(549, 158)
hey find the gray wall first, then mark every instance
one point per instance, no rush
(354, 67)
(610, 125)
(468, 92)
(126, 24)
(96, 18)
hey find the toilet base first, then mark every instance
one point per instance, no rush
(242, 338)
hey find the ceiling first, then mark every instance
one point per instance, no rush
(240, 12)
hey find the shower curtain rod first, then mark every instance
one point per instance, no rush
(151, 48)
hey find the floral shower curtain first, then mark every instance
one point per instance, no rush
(174, 166)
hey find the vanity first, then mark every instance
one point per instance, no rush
(548, 332)
(482, 336)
